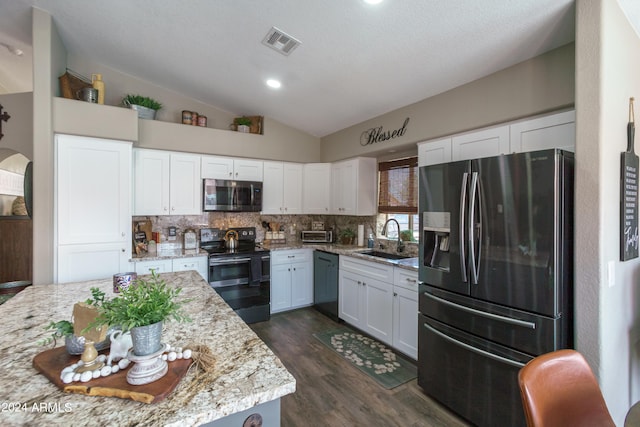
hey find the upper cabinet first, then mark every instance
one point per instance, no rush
(434, 152)
(483, 143)
(316, 193)
(217, 167)
(166, 183)
(282, 188)
(540, 133)
(92, 207)
(353, 186)
(555, 131)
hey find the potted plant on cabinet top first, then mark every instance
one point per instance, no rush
(142, 308)
(145, 106)
(243, 124)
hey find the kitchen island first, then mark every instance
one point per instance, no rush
(248, 377)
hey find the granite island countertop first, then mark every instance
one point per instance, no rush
(247, 371)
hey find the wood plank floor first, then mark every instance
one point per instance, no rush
(331, 392)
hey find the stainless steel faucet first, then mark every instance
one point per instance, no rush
(400, 246)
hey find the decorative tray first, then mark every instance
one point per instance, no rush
(51, 362)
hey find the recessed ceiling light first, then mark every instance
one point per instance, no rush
(274, 83)
(373, 1)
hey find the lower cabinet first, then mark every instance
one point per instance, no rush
(291, 279)
(405, 312)
(380, 300)
(199, 264)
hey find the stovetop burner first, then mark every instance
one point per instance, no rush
(212, 241)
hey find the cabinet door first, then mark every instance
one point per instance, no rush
(280, 287)
(93, 196)
(405, 321)
(301, 284)
(434, 152)
(216, 167)
(482, 143)
(151, 171)
(554, 131)
(185, 185)
(91, 261)
(378, 303)
(316, 191)
(248, 170)
(159, 266)
(272, 188)
(199, 264)
(292, 188)
(349, 300)
(344, 188)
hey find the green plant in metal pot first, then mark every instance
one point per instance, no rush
(142, 308)
(142, 101)
(243, 121)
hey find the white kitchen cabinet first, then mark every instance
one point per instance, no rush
(553, 131)
(92, 203)
(365, 297)
(353, 187)
(166, 183)
(434, 152)
(158, 266)
(217, 167)
(316, 190)
(487, 142)
(197, 263)
(291, 279)
(405, 311)
(282, 188)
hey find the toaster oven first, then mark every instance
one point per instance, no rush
(316, 236)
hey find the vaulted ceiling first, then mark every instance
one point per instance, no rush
(355, 60)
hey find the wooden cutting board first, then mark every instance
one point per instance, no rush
(51, 362)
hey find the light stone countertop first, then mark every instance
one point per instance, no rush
(350, 250)
(169, 254)
(247, 372)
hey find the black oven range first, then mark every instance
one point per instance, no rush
(240, 275)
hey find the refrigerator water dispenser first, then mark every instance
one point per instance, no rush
(436, 230)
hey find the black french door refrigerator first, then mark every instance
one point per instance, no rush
(496, 278)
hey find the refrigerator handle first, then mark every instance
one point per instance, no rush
(475, 264)
(463, 245)
(474, 349)
(473, 311)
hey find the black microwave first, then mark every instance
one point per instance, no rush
(223, 195)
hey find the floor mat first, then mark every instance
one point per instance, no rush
(370, 356)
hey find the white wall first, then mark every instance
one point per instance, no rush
(607, 75)
(18, 130)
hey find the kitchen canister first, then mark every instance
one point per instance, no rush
(88, 94)
(98, 84)
(122, 281)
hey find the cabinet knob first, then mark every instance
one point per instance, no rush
(395, 294)
(288, 269)
(364, 284)
(294, 269)
(236, 173)
(412, 280)
(164, 208)
(123, 250)
(123, 234)
(359, 282)
(230, 173)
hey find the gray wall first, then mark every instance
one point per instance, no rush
(542, 84)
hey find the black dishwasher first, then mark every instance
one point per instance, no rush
(325, 283)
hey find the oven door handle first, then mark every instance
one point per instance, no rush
(228, 260)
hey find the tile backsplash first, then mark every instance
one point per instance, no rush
(292, 225)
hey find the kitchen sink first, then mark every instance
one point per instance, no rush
(385, 255)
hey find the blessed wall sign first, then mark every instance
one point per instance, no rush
(379, 134)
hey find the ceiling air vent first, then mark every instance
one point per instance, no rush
(280, 41)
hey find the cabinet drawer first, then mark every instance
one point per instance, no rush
(369, 269)
(406, 279)
(287, 257)
(159, 266)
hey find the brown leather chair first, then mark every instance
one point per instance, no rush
(559, 389)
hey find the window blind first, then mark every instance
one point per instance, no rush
(398, 192)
